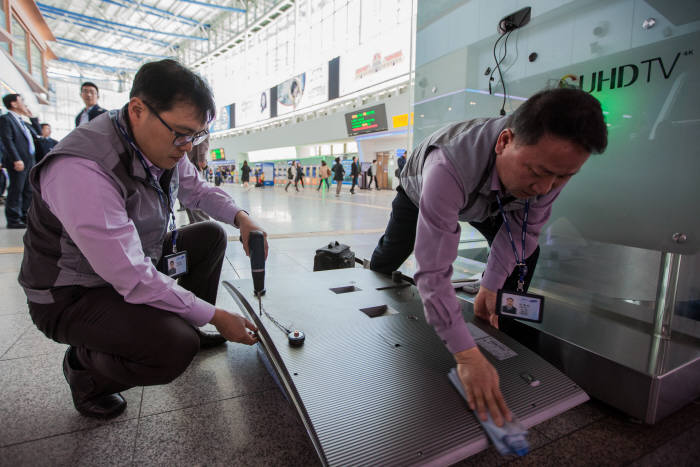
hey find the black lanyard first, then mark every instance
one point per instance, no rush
(168, 204)
(519, 262)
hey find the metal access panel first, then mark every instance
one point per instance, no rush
(370, 381)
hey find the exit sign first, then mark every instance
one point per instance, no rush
(369, 120)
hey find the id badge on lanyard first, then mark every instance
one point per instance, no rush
(518, 303)
(175, 263)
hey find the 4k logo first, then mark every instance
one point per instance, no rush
(626, 75)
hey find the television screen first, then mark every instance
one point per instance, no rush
(369, 120)
(217, 154)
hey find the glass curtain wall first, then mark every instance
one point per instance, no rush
(19, 46)
(630, 217)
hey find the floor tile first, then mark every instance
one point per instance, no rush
(12, 327)
(275, 260)
(491, 456)
(613, 440)
(36, 401)
(10, 237)
(683, 451)
(13, 298)
(10, 263)
(109, 445)
(33, 342)
(215, 374)
(572, 420)
(289, 270)
(254, 430)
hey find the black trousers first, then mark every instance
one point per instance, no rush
(398, 241)
(19, 195)
(196, 215)
(122, 344)
(320, 184)
(354, 182)
(3, 182)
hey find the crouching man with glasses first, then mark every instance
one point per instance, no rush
(105, 269)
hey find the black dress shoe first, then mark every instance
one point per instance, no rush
(17, 226)
(208, 340)
(87, 398)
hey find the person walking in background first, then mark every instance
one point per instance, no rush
(354, 173)
(245, 174)
(89, 94)
(198, 157)
(299, 177)
(339, 174)
(401, 162)
(325, 174)
(290, 177)
(373, 174)
(19, 139)
(45, 143)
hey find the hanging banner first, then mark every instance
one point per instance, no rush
(254, 108)
(303, 90)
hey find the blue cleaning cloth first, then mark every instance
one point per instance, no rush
(511, 438)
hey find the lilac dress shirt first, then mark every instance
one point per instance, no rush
(89, 205)
(437, 239)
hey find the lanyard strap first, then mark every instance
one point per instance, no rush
(174, 241)
(519, 262)
(168, 204)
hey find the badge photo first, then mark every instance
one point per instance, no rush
(524, 306)
(176, 264)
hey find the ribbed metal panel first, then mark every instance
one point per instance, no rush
(374, 391)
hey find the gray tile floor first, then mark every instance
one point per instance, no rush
(225, 409)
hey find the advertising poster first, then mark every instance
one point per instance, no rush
(254, 108)
(373, 64)
(303, 90)
(222, 120)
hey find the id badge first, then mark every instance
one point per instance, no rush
(520, 305)
(175, 264)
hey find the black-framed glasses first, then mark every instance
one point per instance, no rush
(181, 139)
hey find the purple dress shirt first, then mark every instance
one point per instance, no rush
(437, 239)
(89, 205)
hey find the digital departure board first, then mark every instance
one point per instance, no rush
(367, 120)
(217, 154)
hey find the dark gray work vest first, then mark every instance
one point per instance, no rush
(469, 146)
(51, 258)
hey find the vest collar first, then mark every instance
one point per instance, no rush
(134, 165)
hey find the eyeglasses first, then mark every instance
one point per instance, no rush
(181, 139)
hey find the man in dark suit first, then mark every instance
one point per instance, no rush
(89, 94)
(3, 181)
(45, 143)
(19, 139)
(355, 173)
